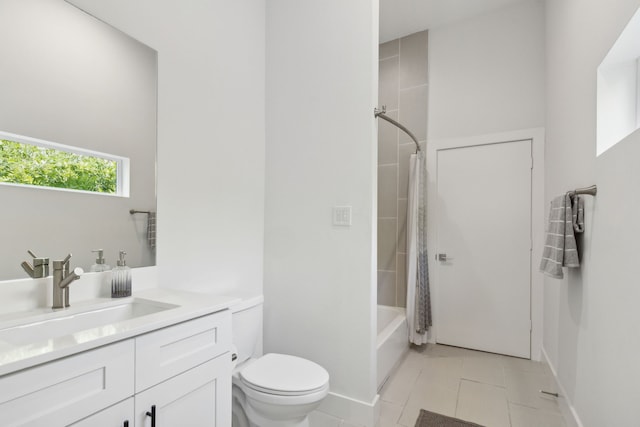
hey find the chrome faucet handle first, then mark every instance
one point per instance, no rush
(66, 264)
(62, 264)
(66, 260)
(40, 267)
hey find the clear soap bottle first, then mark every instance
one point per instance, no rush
(121, 278)
(100, 264)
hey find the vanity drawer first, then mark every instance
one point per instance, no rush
(170, 351)
(63, 391)
(113, 416)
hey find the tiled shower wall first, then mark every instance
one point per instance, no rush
(403, 89)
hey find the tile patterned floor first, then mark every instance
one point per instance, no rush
(488, 389)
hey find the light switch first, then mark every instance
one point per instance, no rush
(342, 215)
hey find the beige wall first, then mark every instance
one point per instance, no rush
(403, 89)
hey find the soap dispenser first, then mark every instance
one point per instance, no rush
(100, 264)
(121, 278)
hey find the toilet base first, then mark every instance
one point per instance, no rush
(258, 421)
(245, 415)
(239, 419)
(304, 423)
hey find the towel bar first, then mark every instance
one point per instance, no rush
(591, 191)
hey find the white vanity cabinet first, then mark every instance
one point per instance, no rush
(200, 397)
(181, 374)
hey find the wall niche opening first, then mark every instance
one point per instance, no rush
(618, 82)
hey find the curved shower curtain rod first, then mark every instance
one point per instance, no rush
(382, 114)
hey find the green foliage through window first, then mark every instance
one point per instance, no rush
(47, 167)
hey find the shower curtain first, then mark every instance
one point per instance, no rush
(418, 297)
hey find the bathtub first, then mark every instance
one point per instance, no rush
(393, 340)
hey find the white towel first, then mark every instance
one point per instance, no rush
(560, 249)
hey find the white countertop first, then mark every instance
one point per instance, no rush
(14, 357)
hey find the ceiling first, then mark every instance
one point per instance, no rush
(399, 18)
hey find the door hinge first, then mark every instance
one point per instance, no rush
(531, 162)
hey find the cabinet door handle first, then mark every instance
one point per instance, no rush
(152, 414)
(126, 424)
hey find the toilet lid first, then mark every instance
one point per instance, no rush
(284, 375)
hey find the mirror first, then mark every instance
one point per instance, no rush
(71, 79)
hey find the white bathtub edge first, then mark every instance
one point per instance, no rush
(392, 345)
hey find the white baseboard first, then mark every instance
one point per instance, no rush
(350, 410)
(566, 407)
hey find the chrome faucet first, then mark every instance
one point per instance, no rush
(40, 267)
(62, 278)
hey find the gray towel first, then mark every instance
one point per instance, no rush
(560, 250)
(151, 230)
(577, 210)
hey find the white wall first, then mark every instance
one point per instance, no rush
(486, 73)
(319, 286)
(486, 83)
(591, 317)
(211, 132)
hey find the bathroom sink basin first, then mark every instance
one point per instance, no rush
(82, 324)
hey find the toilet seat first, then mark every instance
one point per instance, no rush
(279, 392)
(285, 375)
(254, 396)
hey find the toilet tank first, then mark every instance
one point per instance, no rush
(246, 327)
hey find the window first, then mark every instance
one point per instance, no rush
(638, 93)
(619, 88)
(33, 162)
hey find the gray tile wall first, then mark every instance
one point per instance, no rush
(403, 89)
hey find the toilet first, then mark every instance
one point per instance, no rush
(273, 389)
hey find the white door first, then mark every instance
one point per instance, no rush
(484, 232)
